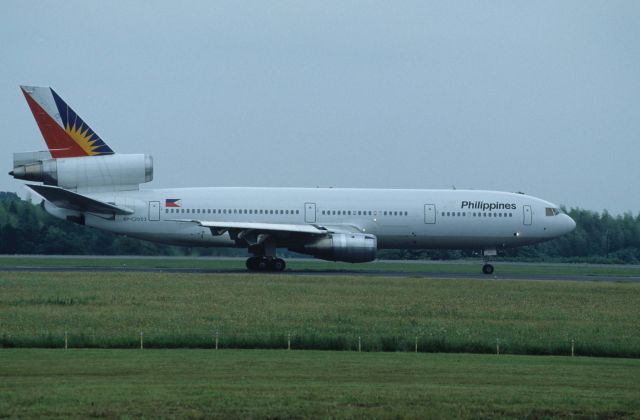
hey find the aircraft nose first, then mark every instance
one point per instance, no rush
(568, 223)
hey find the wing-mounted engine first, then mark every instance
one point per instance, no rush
(120, 171)
(347, 247)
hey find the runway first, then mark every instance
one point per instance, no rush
(327, 273)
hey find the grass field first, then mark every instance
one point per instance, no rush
(311, 384)
(322, 313)
(453, 267)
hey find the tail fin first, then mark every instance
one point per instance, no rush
(65, 133)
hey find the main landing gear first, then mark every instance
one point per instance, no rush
(259, 263)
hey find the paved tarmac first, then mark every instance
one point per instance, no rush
(311, 272)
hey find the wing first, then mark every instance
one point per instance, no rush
(255, 233)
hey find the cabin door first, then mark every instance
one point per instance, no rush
(310, 212)
(526, 209)
(430, 214)
(154, 211)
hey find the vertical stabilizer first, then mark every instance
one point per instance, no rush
(65, 133)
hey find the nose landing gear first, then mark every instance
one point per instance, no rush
(487, 268)
(489, 252)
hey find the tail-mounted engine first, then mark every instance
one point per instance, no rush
(117, 170)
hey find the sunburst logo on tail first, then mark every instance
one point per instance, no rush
(85, 138)
(79, 131)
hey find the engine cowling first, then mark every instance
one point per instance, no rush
(88, 171)
(347, 247)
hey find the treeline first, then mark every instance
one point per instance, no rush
(26, 228)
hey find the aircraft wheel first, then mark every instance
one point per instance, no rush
(278, 264)
(487, 269)
(263, 264)
(252, 263)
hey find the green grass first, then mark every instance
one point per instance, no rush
(416, 267)
(311, 384)
(322, 313)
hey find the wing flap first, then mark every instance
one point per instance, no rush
(73, 201)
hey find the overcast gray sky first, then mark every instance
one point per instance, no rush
(540, 97)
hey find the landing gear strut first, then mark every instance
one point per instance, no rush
(487, 268)
(262, 263)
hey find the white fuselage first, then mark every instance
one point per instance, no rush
(453, 219)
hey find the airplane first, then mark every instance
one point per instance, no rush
(84, 181)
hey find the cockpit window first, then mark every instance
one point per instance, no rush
(552, 212)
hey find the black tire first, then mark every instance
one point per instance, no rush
(252, 263)
(278, 264)
(263, 264)
(487, 269)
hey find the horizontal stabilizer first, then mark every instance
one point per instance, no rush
(72, 201)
